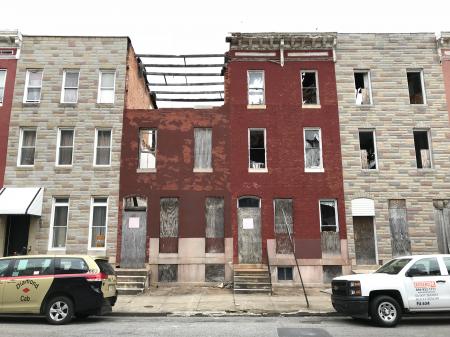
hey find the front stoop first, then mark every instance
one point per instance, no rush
(251, 279)
(132, 281)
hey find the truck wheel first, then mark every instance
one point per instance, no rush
(59, 310)
(385, 311)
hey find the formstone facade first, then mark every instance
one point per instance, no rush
(388, 57)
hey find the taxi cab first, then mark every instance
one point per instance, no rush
(409, 284)
(57, 286)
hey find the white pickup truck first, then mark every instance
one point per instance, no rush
(409, 284)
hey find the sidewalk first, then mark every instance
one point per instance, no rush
(210, 301)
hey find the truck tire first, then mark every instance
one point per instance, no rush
(385, 311)
(59, 310)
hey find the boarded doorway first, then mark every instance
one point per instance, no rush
(249, 230)
(401, 244)
(442, 220)
(364, 238)
(134, 232)
(17, 231)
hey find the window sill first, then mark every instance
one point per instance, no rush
(63, 167)
(57, 249)
(319, 170)
(253, 170)
(25, 167)
(369, 170)
(418, 104)
(31, 104)
(104, 105)
(256, 106)
(102, 167)
(146, 170)
(97, 249)
(203, 170)
(67, 105)
(311, 106)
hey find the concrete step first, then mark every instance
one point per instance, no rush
(250, 266)
(128, 278)
(252, 291)
(130, 291)
(132, 272)
(137, 285)
(250, 278)
(252, 285)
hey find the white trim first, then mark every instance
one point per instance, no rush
(64, 87)
(363, 207)
(319, 169)
(374, 148)
(369, 78)
(335, 213)
(100, 73)
(19, 155)
(27, 86)
(266, 168)
(3, 86)
(95, 147)
(308, 54)
(263, 87)
(52, 218)
(91, 215)
(316, 74)
(422, 83)
(253, 54)
(58, 145)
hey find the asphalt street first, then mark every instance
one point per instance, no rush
(221, 326)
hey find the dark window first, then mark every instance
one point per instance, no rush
(71, 266)
(362, 88)
(425, 267)
(328, 216)
(248, 202)
(415, 87)
(4, 264)
(32, 267)
(393, 267)
(284, 273)
(423, 154)
(105, 267)
(309, 87)
(367, 150)
(257, 149)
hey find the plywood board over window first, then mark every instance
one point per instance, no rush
(398, 222)
(214, 213)
(169, 218)
(284, 224)
(329, 227)
(203, 148)
(442, 220)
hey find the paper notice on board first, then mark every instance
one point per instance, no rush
(133, 223)
(247, 223)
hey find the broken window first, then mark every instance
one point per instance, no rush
(284, 273)
(147, 148)
(284, 225)
(363, 93)
(368, 150)
(255, 87)
(310, 92)
(415, 86)
(328, 216)
(257, 149)
(313, 150)
(202, 155)
(422, 145)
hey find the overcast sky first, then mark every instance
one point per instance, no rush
(185, 26)
(200, 26)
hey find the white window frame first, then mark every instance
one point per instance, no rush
(91, 217)
(64, 87)
(140, 169)
(110, 147)
(374, 148)
(101, 72)
(52, 218)
(430, 148)
(422, 83)
(369, 77)
(257, 170)
(58, 145)
(27, 78)
(313, 169)
(336, 213)
(316, 74)
(3, 86)
(19, 156)
(263, 104)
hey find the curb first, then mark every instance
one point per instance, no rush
(224, 314)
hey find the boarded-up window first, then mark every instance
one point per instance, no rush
(203, 140)
(328, 216)
(214, 272)
(401, 244)
(147, 148)
(167, 273)
(168, 218)
(313, 150)
(214, 213)
(442, 220)
(284, 224)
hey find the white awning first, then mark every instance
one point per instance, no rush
(21, 200)
(363, 207)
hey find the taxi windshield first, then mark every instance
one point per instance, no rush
(393, 267)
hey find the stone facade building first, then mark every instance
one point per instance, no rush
(63, 159)
(395, 145)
